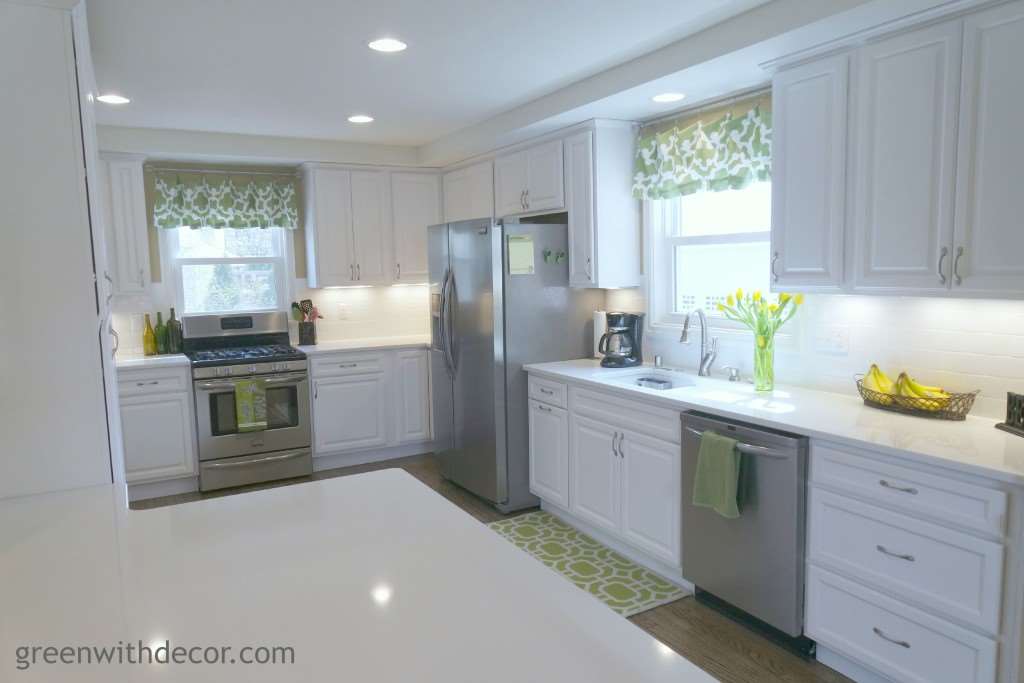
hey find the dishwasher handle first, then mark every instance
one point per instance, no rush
(750, 449)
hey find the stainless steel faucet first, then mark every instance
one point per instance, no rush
(707, 353)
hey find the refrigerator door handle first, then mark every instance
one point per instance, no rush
(443, 323)
(448, 321)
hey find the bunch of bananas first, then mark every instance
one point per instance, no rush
(925, 397)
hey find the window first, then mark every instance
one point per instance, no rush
(228, 270)
(705, 245)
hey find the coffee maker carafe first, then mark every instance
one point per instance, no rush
(621, 344)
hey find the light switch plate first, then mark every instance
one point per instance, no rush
(342, 310)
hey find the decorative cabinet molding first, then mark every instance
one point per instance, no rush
(127, 225)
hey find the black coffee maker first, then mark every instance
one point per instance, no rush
(622, 343)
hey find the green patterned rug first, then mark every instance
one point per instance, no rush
(621, 584)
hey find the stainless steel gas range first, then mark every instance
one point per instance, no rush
(223, 350)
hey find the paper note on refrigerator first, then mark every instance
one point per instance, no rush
(520, 255)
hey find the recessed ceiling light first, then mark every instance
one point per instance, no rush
(387, 45)
(360, 118)
(668, 97)
(113, 98)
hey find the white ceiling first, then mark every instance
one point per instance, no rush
(300, 68)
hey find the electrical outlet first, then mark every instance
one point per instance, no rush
(833, 340)
(342, 311)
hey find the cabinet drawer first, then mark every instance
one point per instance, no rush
(926, 564)
(151, 382)
(641, 417)
(892, 638)
(337, 365)
(546, 391)
(945, 500)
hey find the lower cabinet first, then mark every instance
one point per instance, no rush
(651, 472)
(366, 400)
(549, 453)
(594, 472)
(157, 427)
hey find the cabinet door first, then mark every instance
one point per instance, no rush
(329, 227)
(456, 195)
(809, 175)
(594, 473)
(415, 204)
(579, 202)
(989, 239)
(371, 226)
(413, 396)
(350, 413)
(545, 188)
(510, 182)
(905, 155)
(651, 495)
(549, 453)
(128, 226)
(481, 190)
(157, 430)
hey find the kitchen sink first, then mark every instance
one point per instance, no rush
(661, 380)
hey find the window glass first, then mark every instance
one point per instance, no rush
(227, 243)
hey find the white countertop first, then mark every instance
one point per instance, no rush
(974, 446)
(366, 344)
(129, 361)
(371, 577)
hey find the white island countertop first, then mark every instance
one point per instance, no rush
(371, 577)
(973, 446)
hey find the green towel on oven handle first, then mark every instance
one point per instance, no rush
(251, 405)
(716, 481)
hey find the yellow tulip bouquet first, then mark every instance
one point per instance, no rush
(764, 319)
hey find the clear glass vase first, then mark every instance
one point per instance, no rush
(764, 364)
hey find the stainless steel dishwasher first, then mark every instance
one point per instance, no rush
(752, 567)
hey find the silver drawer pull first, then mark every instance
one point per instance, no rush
(142, 384)
(348, 365)
(544, 408)
(894, 641)
(899, 556)
(902, 489)
(546, 391)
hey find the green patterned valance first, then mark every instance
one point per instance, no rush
(725, 149)
(224, 200)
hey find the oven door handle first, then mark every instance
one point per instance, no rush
(279, 381)
(258, 461)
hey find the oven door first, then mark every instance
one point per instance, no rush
(287, 417)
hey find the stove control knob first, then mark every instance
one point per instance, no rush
(252, 369)
(223, 371)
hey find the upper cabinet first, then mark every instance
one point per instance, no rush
(604, 220)
(930, 206)
(906, 95)
(529, 181)
(989, 235)
(127, 228)
(415, 204)
(371, 227)
(469, 193)
(809, 175)
(330, 254)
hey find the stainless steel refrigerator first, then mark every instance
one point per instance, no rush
(499, 299)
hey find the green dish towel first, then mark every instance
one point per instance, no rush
(251, 405)
(716, 482)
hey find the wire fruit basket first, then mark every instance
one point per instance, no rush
(953, 407)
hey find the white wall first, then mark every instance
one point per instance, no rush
(957, 343)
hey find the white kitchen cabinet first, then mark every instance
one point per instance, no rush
(989, 237)
(549, 453)
(350, 412)
(604, 219)
(127, 226)
(469, 193)
(158, 433)
(651, 494)
(330, 256)
(904, 150)
(594, 467)
(809, 104)
(415, 204)
(529, 180)
(371, 227)
(412, 384)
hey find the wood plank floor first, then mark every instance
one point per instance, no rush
(728, 651)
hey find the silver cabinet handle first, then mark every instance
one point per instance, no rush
(942, 257)
(359, 272)
(543, 408)
(142, 277)
(546, 391)
(522, 199)
(348, 365)
(902, 489)
(110, 281)
(398, 271)
(589, 274)
(899, 556)
(881, 634)
(143, 384)
(526, 197)
(615, 451)
(316, 390)
(775, 275)
(117, 339)
(956, 266)
(351, 271)
(622, 438)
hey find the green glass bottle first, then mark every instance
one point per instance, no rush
(173, 334)
(148, 338)
(160, 331)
